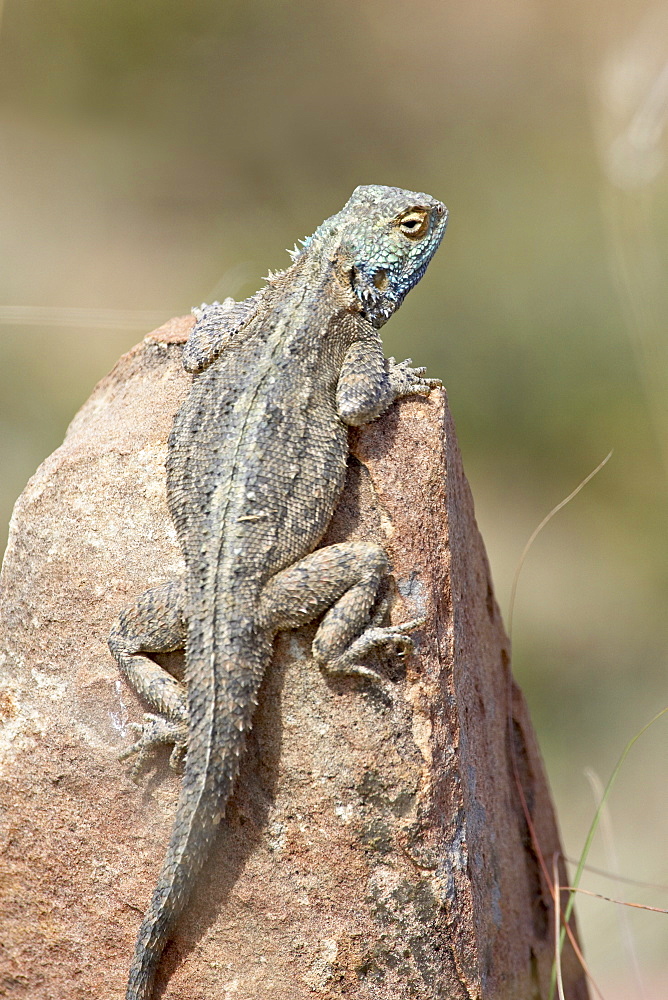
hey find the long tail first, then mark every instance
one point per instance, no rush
(222, 698)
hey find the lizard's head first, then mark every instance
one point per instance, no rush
(382, 241)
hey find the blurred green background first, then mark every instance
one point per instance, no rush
(155, 154)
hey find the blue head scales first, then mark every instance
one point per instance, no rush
(384, 238)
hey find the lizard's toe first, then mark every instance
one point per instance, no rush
(374, 638)
(156, 731)
(408, 381)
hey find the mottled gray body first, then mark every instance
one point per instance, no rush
(257, 459)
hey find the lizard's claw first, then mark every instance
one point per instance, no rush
(156, 731)
(391, 635)
(407, 381)
(374, 638)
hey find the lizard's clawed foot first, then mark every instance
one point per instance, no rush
(156, 731)
(374, 638)
(407, 381)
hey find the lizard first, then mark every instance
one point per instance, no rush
(257, 457)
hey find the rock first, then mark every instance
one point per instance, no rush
(376, 846)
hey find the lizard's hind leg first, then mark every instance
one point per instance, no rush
(155, 624)
(342, 580)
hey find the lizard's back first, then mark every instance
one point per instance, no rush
(257, 454)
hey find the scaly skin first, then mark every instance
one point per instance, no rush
(256, 464)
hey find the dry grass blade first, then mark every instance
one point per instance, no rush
(537, 531)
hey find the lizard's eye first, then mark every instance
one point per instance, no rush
(414, 224)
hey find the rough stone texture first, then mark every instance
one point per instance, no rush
(375, 847)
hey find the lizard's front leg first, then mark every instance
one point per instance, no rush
(342, 580)
(155, 624)
(369, 383)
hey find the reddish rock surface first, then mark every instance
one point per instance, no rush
(376, 846)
